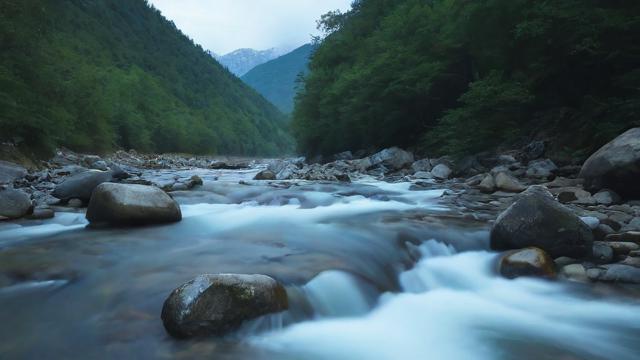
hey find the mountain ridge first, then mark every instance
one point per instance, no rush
(277, 79)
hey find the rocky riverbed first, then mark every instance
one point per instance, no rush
(350, 238)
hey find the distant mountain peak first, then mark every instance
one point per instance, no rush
(240, 61)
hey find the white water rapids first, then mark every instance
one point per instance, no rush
(374, 271)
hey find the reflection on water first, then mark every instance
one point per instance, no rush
(342, 250)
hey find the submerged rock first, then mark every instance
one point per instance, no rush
(81, 186)
(14, 204)
(126, 204)
(537, 219)
(527, 262)
(616, 166)
(218, 304)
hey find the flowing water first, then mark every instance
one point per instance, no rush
(373, 271)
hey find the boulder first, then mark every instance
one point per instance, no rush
(621, 247)
(14, 204)
(488, 184)
(531, 261)
(9, 172)
(618, 273)
(81, 186)
(506, 182)
(537, 219)
(41, 214)
(602, 252)
(630, 236)
(441, 172)
(126, 204)
(607, 197)
(265, 175)
(574, 272)
(424, 175)
(218, 304)
(541, 169)
(422, 165)
(615, 166)
(592, 222)
(393, 158)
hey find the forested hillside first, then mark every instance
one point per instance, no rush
(459, 76)
(94, 75)
(276, 80)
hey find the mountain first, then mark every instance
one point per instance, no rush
(460, 77)
(96, 75)
(241, 61)
(276, 79)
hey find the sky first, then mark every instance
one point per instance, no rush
(226, 25)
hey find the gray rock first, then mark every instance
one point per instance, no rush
(393, 158)
(633, 225)
(621, 247)
(631, 261)
(423, 175)
(541, 169)
(422, 165)
(14, 204)
(630, 236)
(475, 180)
(527, 262)
(81, 186)
(9, 172)
(564, 261)
(99, 165)
(488, 184)
(41, 214)
(125, 204)
(508, 183)
(536, 219)
(602, 253)
(602, 231)
(616, 166)
(441, 172)
(618, 273)
(607, 197)
(218, 304)
(592, 222)
(574, 272)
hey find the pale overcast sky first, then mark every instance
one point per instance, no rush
(227, 25)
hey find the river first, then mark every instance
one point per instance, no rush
(373, 271)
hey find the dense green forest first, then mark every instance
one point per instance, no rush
(95, 75)
(462, 76)
(277, 79)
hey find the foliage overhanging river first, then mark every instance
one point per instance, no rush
(373, 271)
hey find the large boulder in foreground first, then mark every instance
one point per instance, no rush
(537, 219)
(81, 186)
(218, 304)
(128, 204)
(527, 262)
(616, 166)
(393, 158)
(14, 204)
